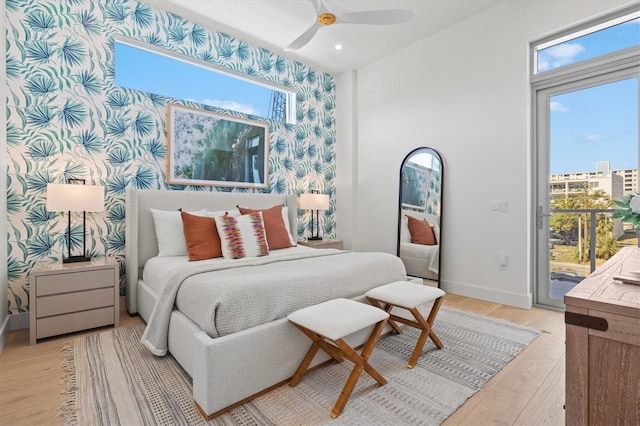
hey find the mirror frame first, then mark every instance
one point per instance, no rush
(437, 155)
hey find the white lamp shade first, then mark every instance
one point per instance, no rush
(75, 198)
(314, 201)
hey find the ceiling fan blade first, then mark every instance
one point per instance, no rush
(304, 38)
(317, 6)
(376, 17)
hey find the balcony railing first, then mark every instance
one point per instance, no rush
(592, 228)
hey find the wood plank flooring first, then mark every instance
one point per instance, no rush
(528, 391)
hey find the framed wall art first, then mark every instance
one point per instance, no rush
(209, 148)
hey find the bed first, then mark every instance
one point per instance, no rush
(420, 260)
(232, 362)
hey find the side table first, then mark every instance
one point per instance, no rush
(322, 244)
(68, 297)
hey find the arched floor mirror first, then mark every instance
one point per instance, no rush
(420, 214)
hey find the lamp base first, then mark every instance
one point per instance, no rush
(75, 259)
(314, 238)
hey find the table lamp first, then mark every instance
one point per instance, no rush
(75, 196)
(314, 201)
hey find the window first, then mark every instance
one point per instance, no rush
(584, 84)
(577, 46)
(162, 72)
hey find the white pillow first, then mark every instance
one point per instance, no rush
(285, 217)
(242, 236)
(170, 233)
(220, 213)
(405, 234)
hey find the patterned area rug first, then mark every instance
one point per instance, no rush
(113, 379)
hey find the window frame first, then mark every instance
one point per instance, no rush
(588, 26)
(290, 94)
(603, 69)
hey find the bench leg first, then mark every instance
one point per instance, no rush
(360, 363)
(427, 331)
(387, 308)
(431, 318)
(304, 364)
(334, 352)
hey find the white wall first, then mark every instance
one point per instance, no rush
(465, 92)
(346, 213)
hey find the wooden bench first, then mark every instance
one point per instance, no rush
(408, 295)
(326, 324)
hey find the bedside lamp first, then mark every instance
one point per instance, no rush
(314, 201)
(74, 196)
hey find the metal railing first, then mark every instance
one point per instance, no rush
(592, 228)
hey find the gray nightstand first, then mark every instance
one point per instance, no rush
(73, 296)
(322, 244)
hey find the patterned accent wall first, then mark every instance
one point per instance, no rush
(434, 193)
(421, 187)
(66, 118)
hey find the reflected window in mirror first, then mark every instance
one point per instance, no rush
(420, 214)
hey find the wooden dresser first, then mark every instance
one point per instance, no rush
(602, 320)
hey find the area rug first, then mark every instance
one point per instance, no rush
(112, 379)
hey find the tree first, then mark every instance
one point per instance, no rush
(578, 224)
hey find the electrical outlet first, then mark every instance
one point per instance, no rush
(503, 261)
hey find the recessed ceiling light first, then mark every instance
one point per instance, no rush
(338, 46)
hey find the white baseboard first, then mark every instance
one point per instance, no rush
(483, 293)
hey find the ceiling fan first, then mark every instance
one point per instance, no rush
(337, 15)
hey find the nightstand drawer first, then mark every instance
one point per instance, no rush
(77, 321)
(80, 301)
(68, 282)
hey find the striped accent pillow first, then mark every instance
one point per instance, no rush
(242, 236)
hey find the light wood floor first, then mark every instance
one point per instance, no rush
(528, 391)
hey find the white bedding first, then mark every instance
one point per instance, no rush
(157, 268)
(430, 254)
(226, 296)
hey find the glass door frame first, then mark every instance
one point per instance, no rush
(604, 70)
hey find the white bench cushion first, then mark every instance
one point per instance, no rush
(337, 318)
(405, 294)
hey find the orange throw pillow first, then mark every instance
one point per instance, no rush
(421, 232)
(277, 235)
(201, 236)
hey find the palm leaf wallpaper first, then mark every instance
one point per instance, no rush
(66, 118)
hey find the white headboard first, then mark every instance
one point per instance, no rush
(141, 243)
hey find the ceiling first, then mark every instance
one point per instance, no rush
(273, 24)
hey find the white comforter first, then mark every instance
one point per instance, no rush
(229, 296)
(430, 254)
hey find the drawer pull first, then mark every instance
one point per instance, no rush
(586, 321)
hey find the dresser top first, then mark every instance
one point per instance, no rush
(600, 291)
(95, 263)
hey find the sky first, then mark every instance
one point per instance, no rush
(598, 123)
(150, 72)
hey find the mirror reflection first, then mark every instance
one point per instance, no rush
(419, 236)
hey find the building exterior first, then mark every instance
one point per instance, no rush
(630, 180)
(616, 183)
